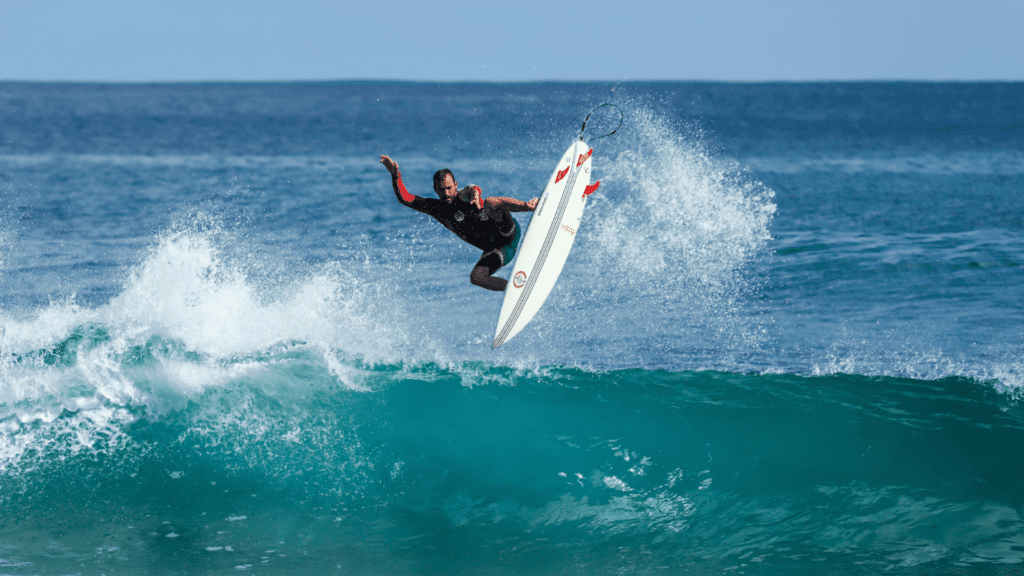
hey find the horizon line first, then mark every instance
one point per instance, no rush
(535, 81)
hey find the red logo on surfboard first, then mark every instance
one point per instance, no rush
(519, 279)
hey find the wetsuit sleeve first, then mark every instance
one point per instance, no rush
(403, 195)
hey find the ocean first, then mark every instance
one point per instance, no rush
(789, 338)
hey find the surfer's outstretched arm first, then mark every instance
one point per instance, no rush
(396, 181)
(511, 204)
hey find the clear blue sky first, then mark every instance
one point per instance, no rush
(141, 40)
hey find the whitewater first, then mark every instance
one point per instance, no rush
(788, 338)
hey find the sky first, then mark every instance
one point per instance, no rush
(519, 40)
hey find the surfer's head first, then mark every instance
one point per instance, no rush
(445, 185)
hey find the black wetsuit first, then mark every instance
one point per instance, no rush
(488, 230)
(476, 226)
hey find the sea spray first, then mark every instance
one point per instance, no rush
(680, 230)
(675, 214)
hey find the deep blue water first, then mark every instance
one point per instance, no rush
(789, 339)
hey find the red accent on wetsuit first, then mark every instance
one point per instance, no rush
(403, 193)
(583, 157)
(591, 189)
(562, 174)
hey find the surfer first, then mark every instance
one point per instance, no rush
(487, 224)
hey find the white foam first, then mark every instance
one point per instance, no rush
(213, 324)
(1005, 374)
(90, 430)
(186, 291)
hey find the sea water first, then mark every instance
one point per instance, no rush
(788, 339)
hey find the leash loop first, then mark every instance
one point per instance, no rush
(621, 118)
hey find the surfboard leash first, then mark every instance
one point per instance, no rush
(621, 118)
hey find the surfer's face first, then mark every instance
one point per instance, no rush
(448, 189)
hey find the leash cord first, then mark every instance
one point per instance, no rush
(621, 118)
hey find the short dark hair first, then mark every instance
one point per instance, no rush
(439, 176)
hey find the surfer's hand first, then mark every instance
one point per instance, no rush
(532, 204)
(390, 164)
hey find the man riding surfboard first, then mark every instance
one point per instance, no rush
(487, 224)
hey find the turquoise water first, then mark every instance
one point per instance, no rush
(787, 340)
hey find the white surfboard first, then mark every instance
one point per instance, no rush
(549, 238)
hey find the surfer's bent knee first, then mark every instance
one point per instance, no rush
(478, 274)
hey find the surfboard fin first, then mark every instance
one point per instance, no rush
(591, 189)
(583, 157)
